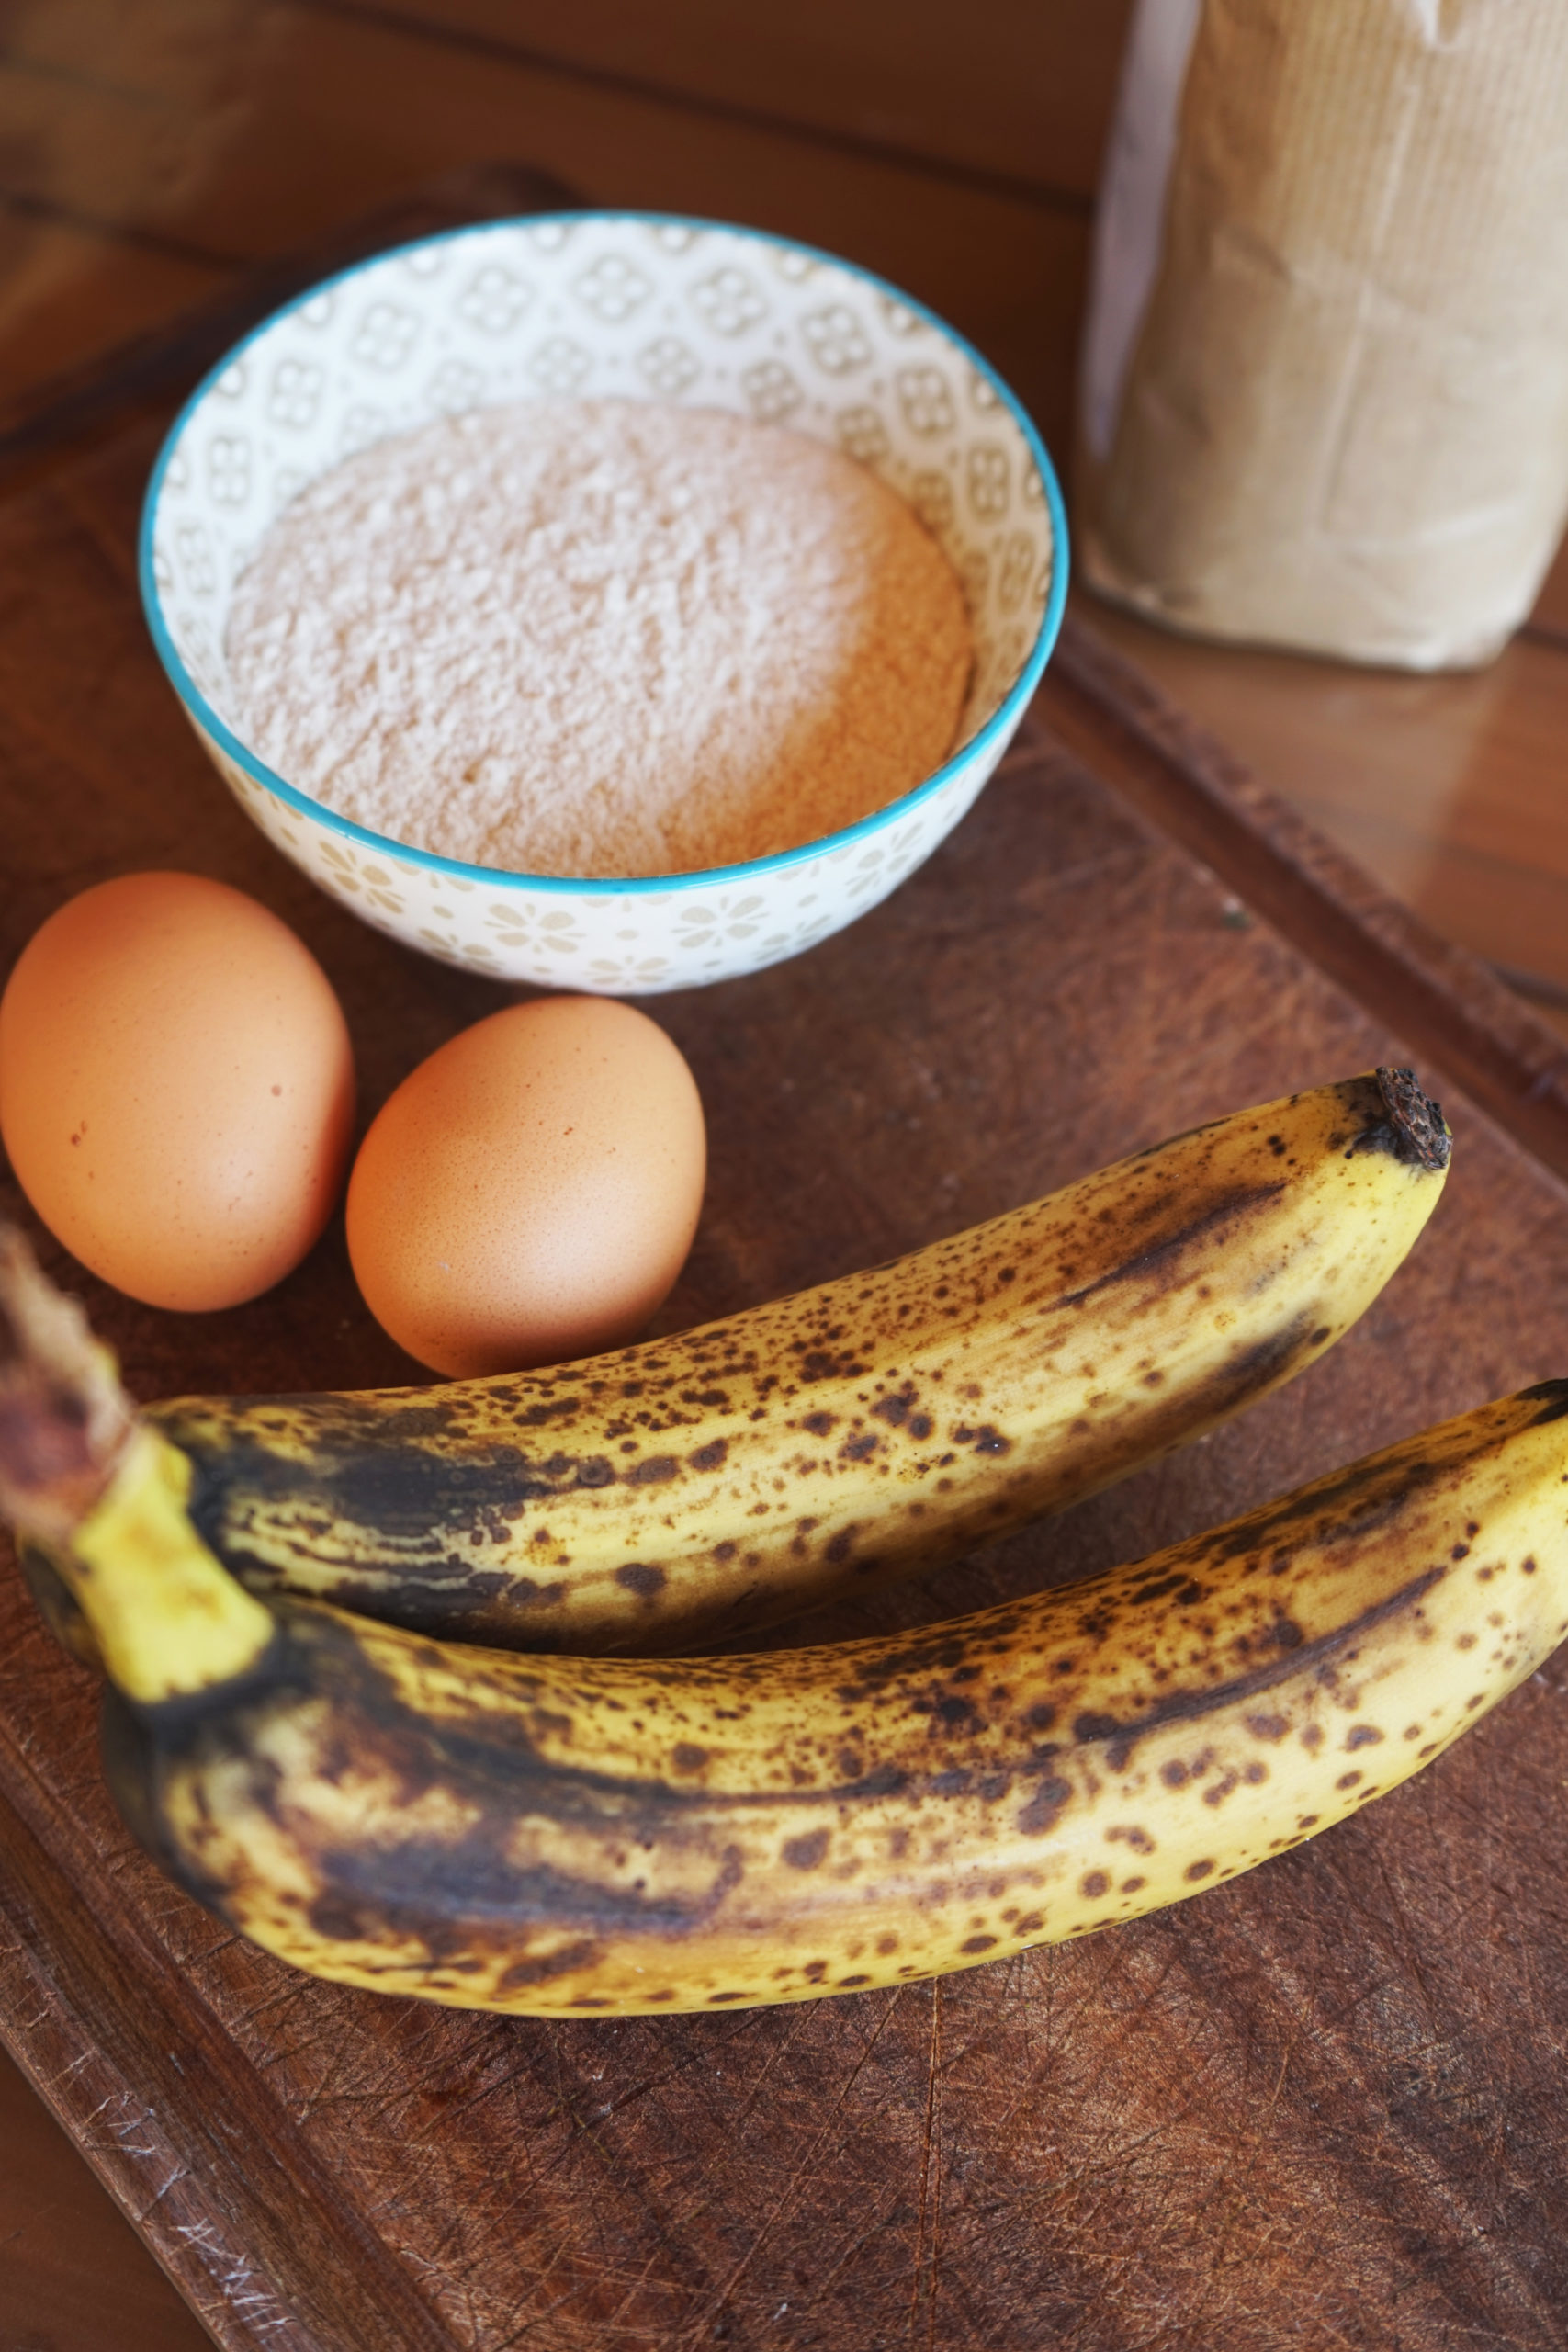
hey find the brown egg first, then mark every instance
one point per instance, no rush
(529, 1194)
(176, 1089)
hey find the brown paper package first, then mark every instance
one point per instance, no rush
(1344, 421)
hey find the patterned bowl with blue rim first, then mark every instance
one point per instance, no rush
(609, 305)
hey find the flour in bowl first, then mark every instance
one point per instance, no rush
(600, 638)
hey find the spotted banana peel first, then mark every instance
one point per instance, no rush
(552, 1836)
(692, 1488)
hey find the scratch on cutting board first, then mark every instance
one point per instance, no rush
(930, 2187)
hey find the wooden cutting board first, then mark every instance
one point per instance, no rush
(1321, 2105)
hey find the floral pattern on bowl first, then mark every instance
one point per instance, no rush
(600, 306)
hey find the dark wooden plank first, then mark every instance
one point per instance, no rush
(324, 116)
(71, 286)
(1017, 95)
(1020, 103)
(108, 118)
(1315, 2078)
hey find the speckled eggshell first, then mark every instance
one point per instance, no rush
(176, 1089)
(530, 1192)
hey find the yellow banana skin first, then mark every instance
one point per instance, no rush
(690, 1488)
(611, 1836)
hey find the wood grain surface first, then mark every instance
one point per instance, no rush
(150, 152)
(144, 138)
(1299, 2109)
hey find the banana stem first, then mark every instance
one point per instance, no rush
(106, 1497)
(66, 1421)
(1417, 1127)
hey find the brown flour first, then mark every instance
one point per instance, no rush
(600, 638)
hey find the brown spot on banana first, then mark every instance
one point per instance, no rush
(1144, 1306)
(571, 1836)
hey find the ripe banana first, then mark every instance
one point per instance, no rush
(566, 1835)
(691, 1487)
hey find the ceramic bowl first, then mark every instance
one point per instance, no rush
(599, 305)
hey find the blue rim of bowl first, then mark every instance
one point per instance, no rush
(1003, 719)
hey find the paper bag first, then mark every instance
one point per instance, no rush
(1326, 381)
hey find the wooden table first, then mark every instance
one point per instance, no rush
(154, 157)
